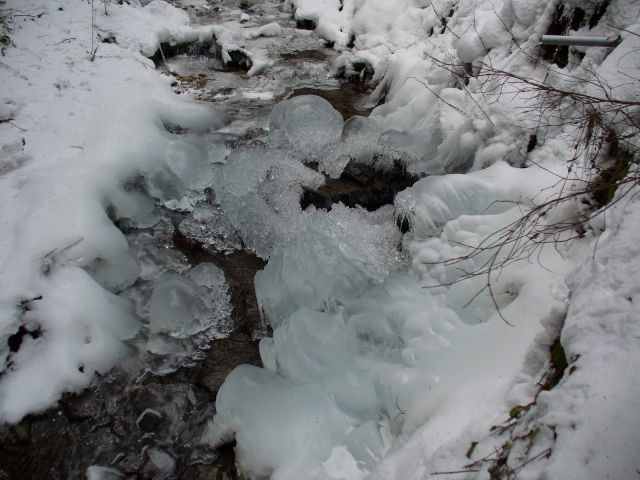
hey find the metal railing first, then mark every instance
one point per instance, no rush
(579, 41)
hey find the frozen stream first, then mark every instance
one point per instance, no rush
(316, 240)
(195, 293)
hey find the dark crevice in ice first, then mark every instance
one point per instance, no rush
(360, 185)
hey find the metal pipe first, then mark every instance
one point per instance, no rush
(577, 41)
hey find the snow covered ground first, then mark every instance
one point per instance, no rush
(74, 129)
(393, 356)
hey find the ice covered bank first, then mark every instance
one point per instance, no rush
(403, 376)
(75, 125)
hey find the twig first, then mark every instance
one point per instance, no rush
(10, 122)
(65, 40)
(546, 452)
(27, 15)
(454, 472)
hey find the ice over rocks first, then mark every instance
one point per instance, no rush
(334, 257)
(383, 349)
(309, 125)
(259, 191)
(182, 307)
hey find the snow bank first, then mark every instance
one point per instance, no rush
(80, 127)
(598, 398)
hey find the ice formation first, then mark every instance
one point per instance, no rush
(425, 362)
(333, 257)
(259, 191)
(389, 353)
(209, 225)
(370, 372)
(181, 309)
(310, 126)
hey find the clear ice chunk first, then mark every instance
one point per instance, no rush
(181, 307)
(308, 124)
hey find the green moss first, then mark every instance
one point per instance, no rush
(559, 363)
(472, 447)
(516, 411)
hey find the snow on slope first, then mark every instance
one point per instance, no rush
(73, 131)
(421, 368)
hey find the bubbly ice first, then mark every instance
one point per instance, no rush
(308, 124)
(260, 192)
(181, 306)
(209, 225)
(334, 257)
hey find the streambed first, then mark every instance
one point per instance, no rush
(145, 418)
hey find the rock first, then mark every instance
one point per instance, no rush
(149, 420)
(361, 185)
(96, 472)
(305, 24)
(85, 406)
(159, 466)
(19, 434)
(239, 59)
(130, 463)
(315, 198)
